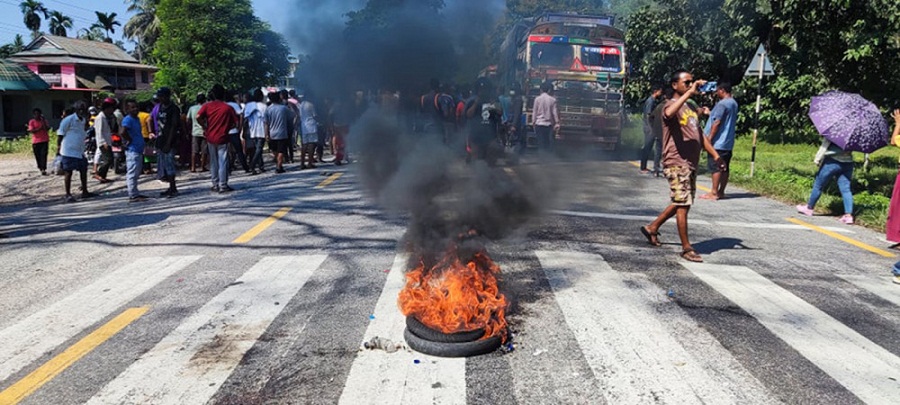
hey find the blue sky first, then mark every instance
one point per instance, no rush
(82, 12)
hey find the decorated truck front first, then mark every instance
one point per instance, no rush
(584, 58)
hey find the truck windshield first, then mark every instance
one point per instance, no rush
(607, 58)
(552, 55)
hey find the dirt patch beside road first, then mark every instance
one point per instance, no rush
(22, 183)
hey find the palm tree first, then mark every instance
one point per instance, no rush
(12, 48)
(32, 11)
(143, 26)
(106, 22)
(59, 23)
(92, 34)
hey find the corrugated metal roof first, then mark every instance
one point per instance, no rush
(55, 46)
(68, 60)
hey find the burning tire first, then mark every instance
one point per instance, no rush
(444, 349)
(420, 330)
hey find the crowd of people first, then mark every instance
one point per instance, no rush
(222, 131)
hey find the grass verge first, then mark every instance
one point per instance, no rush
(22, 145)
(786, 173)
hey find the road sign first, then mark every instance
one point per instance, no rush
(761, 59)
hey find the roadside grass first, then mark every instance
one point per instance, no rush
(785, 172)
(22, 145)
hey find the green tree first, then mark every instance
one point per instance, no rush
(143, 26)
(91, 34)
(204, 42)
(32, 10)
(107, 23)
(59, 23)
(13, 47)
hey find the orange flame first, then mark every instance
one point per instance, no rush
(455, 297)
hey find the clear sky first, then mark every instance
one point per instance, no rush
(82, 13)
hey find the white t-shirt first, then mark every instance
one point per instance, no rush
(72, 130)
(237, 110)
(102, 130)
(255, 113)
(308, 118)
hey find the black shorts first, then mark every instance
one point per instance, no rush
(70, 164)
(713, 167)
(279, 145)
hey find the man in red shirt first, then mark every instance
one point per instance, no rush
(40, 139)
(217, 118)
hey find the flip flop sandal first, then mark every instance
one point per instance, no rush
(652, 238)
(691, 256)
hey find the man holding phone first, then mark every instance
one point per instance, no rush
(720, 130)
(682, 142)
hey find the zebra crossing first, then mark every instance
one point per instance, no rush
(637, 345)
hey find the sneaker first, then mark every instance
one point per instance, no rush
(137, 198)
(214, 189)
(279, 170)
(85, 194)
(225, 189)
(69, 199)
(896, 279)
(846, 219)
(805, 210)
(43, 172)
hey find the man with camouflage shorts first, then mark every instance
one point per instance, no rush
(682, 142)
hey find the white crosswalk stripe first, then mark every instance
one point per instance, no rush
(190, 364)
(630, 351)
(633, 344)
(880, 286)
(378, 377)
(26, 341)
(867, 370)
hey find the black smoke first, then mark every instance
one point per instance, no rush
(399, 48)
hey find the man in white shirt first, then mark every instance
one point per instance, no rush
(71, 149)
(309, 127)
(545, 117)
(103, 128)
(254, 114)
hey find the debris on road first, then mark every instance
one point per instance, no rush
(379, 343)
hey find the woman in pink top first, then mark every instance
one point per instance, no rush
(40, 139)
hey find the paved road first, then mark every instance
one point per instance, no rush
(194, 300)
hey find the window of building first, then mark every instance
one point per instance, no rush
(49, 69)
(57, 107)
(145, 76)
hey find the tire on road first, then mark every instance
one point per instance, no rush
(419, 329)
(441, 349)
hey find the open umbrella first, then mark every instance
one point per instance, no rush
(14, 76)
(849, 121)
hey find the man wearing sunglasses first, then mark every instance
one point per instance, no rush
(682, 143)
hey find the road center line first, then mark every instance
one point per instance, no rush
(26, 341)
(62, 361)
(329, 180)
(262, 226)
(729, 224)
(842, 238)
(866, 369)
(192, 362)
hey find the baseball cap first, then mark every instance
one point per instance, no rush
(164, 92)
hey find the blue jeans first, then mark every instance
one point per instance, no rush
(218, 164)
(134, 161)
(544, 136)
(260, 144)
(649, 142)
(830, 169)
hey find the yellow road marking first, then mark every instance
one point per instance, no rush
(262, 226)
(699, 187)
(842, 238)
(329, 180)
(28, 385)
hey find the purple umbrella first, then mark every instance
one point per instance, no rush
(849, 121)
